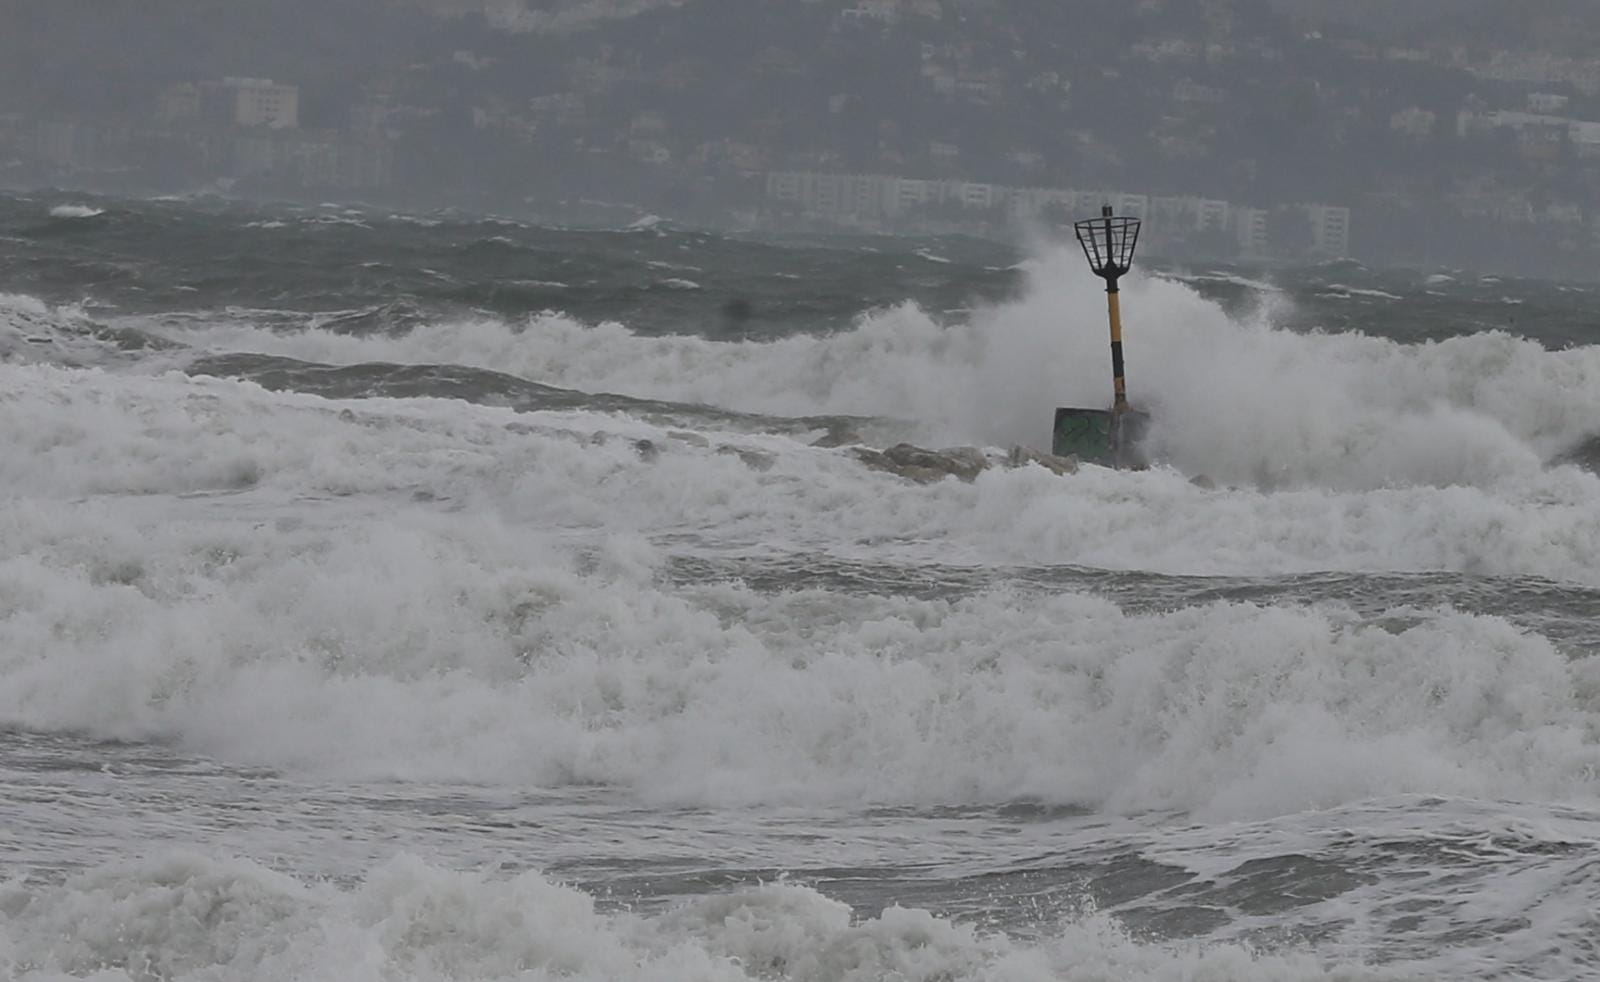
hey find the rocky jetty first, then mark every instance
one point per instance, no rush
(963, 463)
(906, 460)
(1022, 456)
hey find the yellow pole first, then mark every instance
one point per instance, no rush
(1120, 387)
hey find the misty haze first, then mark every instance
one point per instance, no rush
(1417, 132)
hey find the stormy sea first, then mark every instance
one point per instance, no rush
(437, 597)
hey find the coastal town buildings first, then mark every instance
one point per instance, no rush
(1229, 134)
(884, 202)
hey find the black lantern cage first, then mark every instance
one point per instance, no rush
(1108, 242)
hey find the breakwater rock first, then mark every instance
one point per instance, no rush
(963, 463)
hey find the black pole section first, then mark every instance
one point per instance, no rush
(1118, 381)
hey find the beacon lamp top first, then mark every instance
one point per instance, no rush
(1108, 243)
(1099, 435)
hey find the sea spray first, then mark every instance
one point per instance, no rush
(1239, 400)
(407, 643)
(578, 639)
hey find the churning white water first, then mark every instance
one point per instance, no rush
(427, 688)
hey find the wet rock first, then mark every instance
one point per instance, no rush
(970, 460)
(925, 466)
(876, 460)
(1023, 456)
(838, 435)
(1202, 481)
(756, 460)
(964, 463)
(647, 450)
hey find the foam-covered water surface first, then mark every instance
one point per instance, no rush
(382, 630)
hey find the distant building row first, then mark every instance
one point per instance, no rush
(866, 198)
(248, 102)
(1530, 67)
(1535, 131)
(295, 159)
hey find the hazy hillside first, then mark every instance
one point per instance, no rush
(1570, 27)
(546, 16)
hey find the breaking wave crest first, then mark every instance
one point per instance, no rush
(1235, 398)
(377, 640)
(184, 917)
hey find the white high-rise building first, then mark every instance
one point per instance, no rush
(251, 102)
(1330, 229)
(1250, 227)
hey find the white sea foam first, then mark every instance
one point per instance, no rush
(430, 590)
(347, 218)
(185, 917)
(423, 588)
(76, 211)
(1262, 286)
(33, 331)
(1339, 289)
(250, 578)
(1240, 401)
(68, 435)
